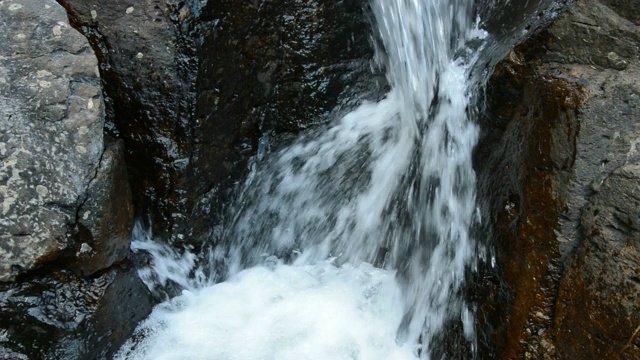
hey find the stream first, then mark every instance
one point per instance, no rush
(353, 242)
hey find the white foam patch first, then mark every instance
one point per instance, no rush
(286, 312)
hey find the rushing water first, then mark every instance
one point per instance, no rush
(390, 184)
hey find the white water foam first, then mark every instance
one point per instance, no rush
(281, 312)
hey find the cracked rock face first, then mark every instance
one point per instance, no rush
(51, 120)
(105, 219)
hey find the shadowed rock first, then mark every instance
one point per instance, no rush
(196, 88)
(105, 219)
(62, 316)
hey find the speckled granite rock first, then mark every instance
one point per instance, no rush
(51, 119)
(66, 213)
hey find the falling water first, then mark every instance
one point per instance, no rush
(352, 243)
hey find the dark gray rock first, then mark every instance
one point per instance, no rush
(196, 88)
(105, 219)
(270, 69)
(148, 69)
(51, 120)
(62, 316)
(628, 9)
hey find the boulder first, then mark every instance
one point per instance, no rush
(66, 210)
(566, 249)
(51, 119)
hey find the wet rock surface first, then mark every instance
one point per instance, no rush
(193, 90)
(70, 294)
(61, 316)
(147, 69)
(105, 219)
(196, 88)
(51, 124)
(518, 167)
(269, 69)
(564, 109)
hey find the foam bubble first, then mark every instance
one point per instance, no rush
(285, 312)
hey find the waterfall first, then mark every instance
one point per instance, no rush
(353, 242)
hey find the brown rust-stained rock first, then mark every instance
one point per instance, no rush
(562, 188)
(533, 108)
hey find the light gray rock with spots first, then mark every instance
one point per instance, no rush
(51, 120)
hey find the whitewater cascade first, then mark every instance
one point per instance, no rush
(353, 242)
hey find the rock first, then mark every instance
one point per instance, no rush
(566, 243)
(606, 141)
(195, 89)
(147, 63)
(267, 69)
(61, 316)
(519, 160)
(593, 34)
(626, 9)
(50, 131)
(65, 198)
(598, 308)
(105, 219)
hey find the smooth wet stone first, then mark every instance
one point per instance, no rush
(62, 316)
